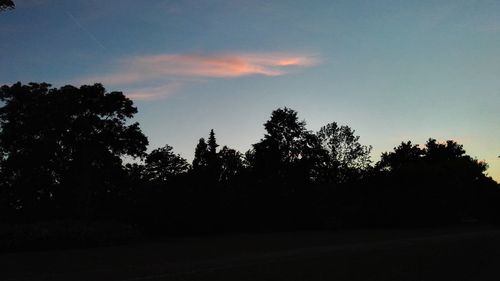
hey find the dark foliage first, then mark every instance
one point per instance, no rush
(6, 5)
(62, 155)
(346, 158)
(162, 165)
(437, 184)
(61, 149)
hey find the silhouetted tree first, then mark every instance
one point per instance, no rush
(346, 156)
(208, 194)
(162, 164)
(6, 4)
(212, 144)
(404, 154)
(432, 185)
(279, 154)
(200, 160)
(284, 165)
(450, 150)
(231, 164)
(62, 148)
(213, 161)
(206, 163)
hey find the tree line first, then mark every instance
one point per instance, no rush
(62, 153)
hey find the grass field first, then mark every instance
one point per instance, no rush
(465, 253)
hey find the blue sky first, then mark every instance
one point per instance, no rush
(392, 70)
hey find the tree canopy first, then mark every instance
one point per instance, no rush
(162, 164)
(284, 148)
(64, 143)
(345, 154)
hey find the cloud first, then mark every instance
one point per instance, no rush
(146, 68)
(152, 93)
(156, 68)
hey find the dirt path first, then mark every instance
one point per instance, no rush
(453, 254)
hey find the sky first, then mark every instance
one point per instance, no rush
(391, 70)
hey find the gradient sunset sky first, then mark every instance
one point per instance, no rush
(392, 70)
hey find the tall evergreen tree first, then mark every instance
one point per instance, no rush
(213, 163)
(212, 143)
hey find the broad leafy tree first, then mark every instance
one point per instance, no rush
(231, 164)
(280, 156)
(347, 157)
(200, 155)
(162, 164)
(438, 183)
(404, 154)
(62, 147)
(285, 166)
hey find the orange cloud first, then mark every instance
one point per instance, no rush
(153, 67)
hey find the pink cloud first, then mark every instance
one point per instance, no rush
(152, 93)
(154, 67)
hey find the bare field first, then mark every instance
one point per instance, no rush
(466, 253)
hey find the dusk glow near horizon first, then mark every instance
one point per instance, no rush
(392, 70)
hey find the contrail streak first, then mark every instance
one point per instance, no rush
(85, 30)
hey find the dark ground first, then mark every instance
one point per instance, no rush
(460, 253)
